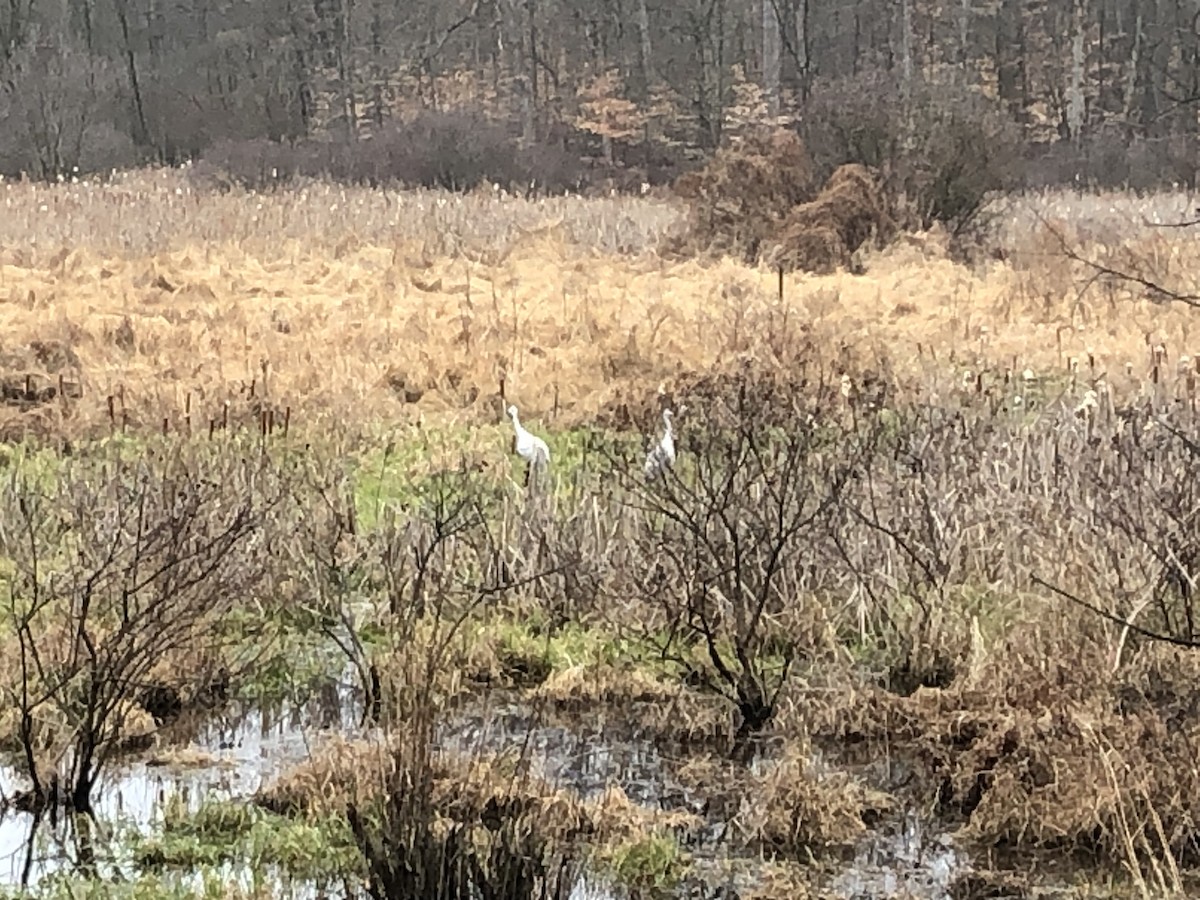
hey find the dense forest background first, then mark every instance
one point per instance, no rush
(574, 93)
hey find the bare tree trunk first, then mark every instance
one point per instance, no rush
(526, 105)
(803, 46)
(81, 13)
(141, 135)
(13, 32)
(772, 46)
(964, 38)
(906, 74)
(647, 50)
(720, 71)
(302, 69)
(346, 70)
(498, 54)
(1131, 75)
(376, 111)
(1010, 55)
(1075, 102)
(531, 8)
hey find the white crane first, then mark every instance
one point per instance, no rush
(662, 456)
(529, 447)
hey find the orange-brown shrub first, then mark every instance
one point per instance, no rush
(739, 197)
(821, 235)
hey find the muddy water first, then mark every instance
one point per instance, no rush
(233, 755)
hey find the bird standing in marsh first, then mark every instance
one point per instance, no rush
(529, 447)
(662, 457)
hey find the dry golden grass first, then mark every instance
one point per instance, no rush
(358, 306)
(464, 789)
(668, 712)
(1039, 748)
(583, 687)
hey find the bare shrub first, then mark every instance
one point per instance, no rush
(420, 570)
(455, 150)
(758, 199)
(945, 150)
(118, 566)
(1153, 518)
(726, 540)
(52, 102)
(427, 821)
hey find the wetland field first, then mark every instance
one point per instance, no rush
(914, 615)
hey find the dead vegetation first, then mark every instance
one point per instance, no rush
(796, 814)
(431, 821)
(737, 199)
(758, 200)
(871, 475)
(822, 235)
(203, 314)
(114, 571)
(1032, 728)
(1043, 751)
(669, 712)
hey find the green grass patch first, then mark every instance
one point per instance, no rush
(529, 651)
(417, 466)
(230, 832)
(649, 866)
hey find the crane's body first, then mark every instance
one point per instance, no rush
(529, 447)
(662, 456)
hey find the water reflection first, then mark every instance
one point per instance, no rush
(233, 755)
(228, 756)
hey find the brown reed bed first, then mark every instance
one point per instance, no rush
(328, 305)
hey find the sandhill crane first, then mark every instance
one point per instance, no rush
(529, 447)
(663, 455)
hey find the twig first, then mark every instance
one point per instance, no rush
(1114, 618)
(1150, 224)
(1100, 269)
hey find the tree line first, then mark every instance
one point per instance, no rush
(1104, 91)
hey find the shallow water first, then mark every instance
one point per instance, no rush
(585, 760)
(902, 859)
(237, 754)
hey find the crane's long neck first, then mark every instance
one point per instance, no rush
(516, 421)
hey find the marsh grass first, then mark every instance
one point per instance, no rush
(651, 867)
(982, 426)
(222, 832)
(913, 598)
(112, 286)
(207, 884)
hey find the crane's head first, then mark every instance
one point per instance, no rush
(512, 411)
